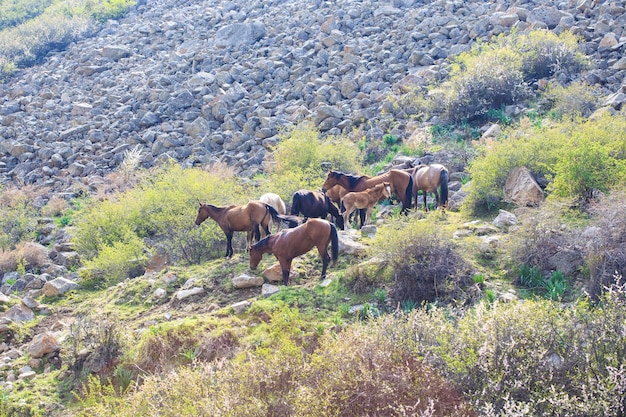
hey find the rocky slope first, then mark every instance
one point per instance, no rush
(213, 80)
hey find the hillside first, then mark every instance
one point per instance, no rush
(114, 303)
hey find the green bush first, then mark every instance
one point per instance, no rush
(18, 217)
(579, 157)
(160, 211)
(14, 12)
(301, 160)
(498, 73)
(572, 101)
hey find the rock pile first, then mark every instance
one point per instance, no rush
(216, 80)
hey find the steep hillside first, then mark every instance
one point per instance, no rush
(210, 81)
(115, 303)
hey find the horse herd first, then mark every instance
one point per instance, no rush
(350, 192)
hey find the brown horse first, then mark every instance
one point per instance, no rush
(365, 200)
(246, 218)
(401, 184)
(428, 178)
(290, 243)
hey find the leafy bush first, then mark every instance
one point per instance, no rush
(498, 73)
(579, 156)
(159, 211)
(301, 160)
(28, 255)
(425, 265)
(572, 101)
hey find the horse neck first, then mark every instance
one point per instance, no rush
(215, 212)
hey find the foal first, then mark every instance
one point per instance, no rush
(365, 200)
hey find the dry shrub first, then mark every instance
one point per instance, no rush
(426, 265)
(605, 242)
(55, 207)
(220, 346)
(381, 378)
(29, 254)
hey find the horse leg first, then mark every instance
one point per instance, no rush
(436, 199)
(362, 217)
(229, 245)
(425, 203)
(249, 237)
(323, 250)
(285, 266)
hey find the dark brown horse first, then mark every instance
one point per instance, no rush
(401, 184)
(315, 204)
(365, 200)
(290, 243)
(430, 178)
(246, 218)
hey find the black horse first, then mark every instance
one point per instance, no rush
(315, 204)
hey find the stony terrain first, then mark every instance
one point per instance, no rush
(206, 81)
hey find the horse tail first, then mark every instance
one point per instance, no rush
(334, 241)
(408, 194)
(273, 212)
(443, 180)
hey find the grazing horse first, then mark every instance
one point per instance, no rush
(428, 178)
(290, 243)
(246, 218)
(365, 200)
(401, 184)
(275, 201)
(315, 204)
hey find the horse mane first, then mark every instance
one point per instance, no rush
(353, 180)
(261, 243)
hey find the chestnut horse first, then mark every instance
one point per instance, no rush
(290, 243)
(365, 200)
(401, 184)
(246, 218)
(428, 178)
(315, 204)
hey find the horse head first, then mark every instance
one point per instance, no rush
(203, 213)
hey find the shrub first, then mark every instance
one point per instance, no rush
(495, 74)
(425, 265)
(18, 216)
(604, 243)
(572, 101)
(27, 254)
(161, 211)
(579, 156)
(301, 160)
(13, 13)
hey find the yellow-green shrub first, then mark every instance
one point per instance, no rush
(572, 101)
(300, 157)
(497, 73)
(425, 264)
(579, 156)
(161, 211)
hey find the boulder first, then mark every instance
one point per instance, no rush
(275, 273)
(522, 189)
(505, 219)
(247, 281)
(42, 344)
(19, 313)
(58, 286)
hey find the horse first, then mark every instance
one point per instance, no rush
(275, 201)
(336, 193)
(291, 220)
(246, 218)
(401, 184)
(315, 204)
(290, 243)
(365, 200)
(428, 178)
